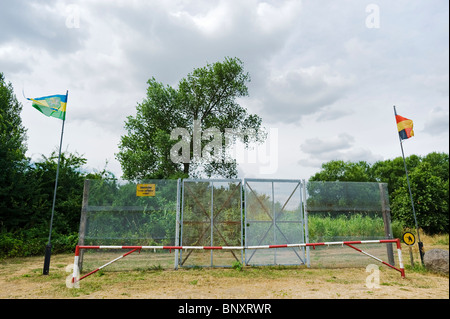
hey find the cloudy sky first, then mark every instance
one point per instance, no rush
(324, 74)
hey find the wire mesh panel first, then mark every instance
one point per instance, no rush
(129, 214)
(274, 216)
(348, 211)
(209, 213)
(211, 216)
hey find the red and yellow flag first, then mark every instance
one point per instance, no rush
(405, 127)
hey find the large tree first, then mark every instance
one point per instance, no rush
(12, 153)
(184, 131)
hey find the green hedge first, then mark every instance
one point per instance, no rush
(29, 243)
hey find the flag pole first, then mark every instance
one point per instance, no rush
(419, 243)
(48, 248)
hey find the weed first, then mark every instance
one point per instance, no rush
(237, 266)
(442, 240)
(280, 293)
(418, 268)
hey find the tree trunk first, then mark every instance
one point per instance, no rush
(186, 168)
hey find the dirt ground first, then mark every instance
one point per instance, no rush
(21, 278)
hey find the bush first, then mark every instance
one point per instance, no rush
(32, 243)
(10, 246)
(64, 243)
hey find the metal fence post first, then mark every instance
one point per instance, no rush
(387, 220)
(83, 219)
(177, 223)
(305, 212)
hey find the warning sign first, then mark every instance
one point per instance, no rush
(145, 190)
(409, 239)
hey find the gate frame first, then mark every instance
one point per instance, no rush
(212, 216)
(300, 185)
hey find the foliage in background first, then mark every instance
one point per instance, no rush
(13, 163)
(429, 180)
(26, 187)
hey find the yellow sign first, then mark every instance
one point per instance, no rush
(145, 190)
(409, 239)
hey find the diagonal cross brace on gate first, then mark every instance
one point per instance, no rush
(212, 216)
(276, 216)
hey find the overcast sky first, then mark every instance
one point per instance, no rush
(324, 74)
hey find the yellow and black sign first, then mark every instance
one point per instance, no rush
(145, 190)
(409, 239)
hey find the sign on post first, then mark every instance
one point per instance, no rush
(145, 190)
(409, 239)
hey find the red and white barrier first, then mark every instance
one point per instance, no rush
(350, 244)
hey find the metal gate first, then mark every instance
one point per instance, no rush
(211, 215)
(209, 220)
(274, 216)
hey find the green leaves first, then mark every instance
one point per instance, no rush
(429, 179)
(208, 95)
(430, 196)
(13, 162)
(344, 172)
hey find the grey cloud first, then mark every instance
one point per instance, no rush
(354, 155)
(330, 114)
(165, 42)
(313, 58)
(41, 25)
(340, 147)
(296, 93)
(310, 162)
(316, 146)
(437, 122)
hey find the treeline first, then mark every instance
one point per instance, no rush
(428, 177)
(26, 197)
(26, 188)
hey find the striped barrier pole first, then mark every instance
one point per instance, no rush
(76, 272)
(170, 248)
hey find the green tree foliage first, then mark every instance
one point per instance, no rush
(392, 171)
(69, 193)
(12, 153)
(344, 172)
(25, 231)
(207, 95)
(429, 180)
(430, 197)
(26, 188)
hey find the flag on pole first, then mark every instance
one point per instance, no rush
(405, 131)
(404, 127)
(53, 105)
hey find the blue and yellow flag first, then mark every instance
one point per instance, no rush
(53, 105)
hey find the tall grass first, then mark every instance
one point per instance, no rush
(349, 227)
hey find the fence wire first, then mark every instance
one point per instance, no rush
(249, 212)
